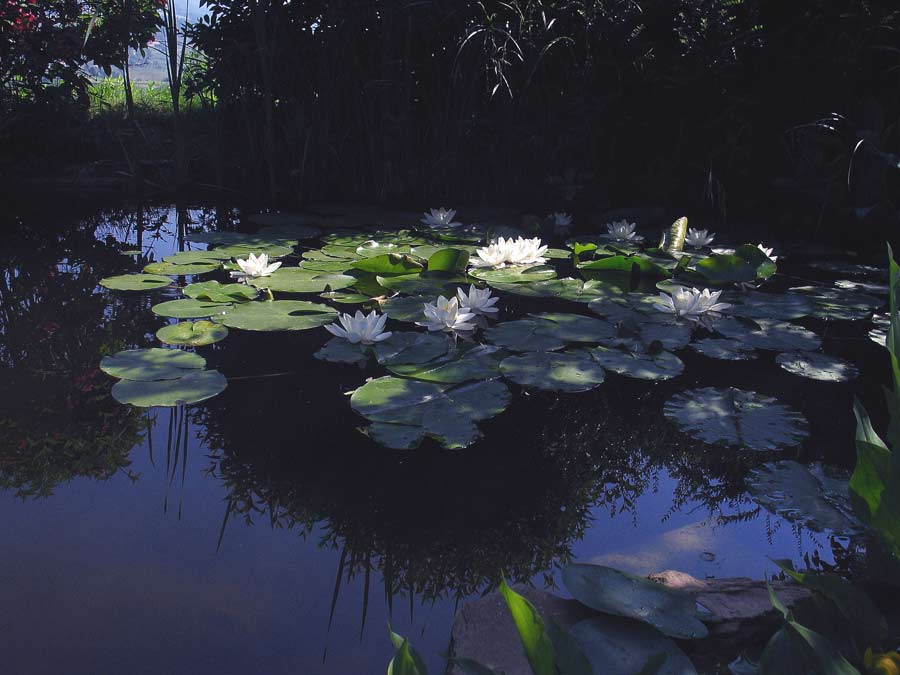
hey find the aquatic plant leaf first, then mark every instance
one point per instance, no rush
(408, 308)
(395, 436)
(298, 280)
(607, 590)
(445, 413)
(539, 648)
(574, 327)
(481, 362)
(151, 364)
(345, 298)
(552, 371)
(192, 333)
(521, 274)
(626, 264)
(192, 257)
(248, 240)
(448, 261)
(723, 349)
(575, 290)
(803, 495)
(135, 282)
(781, 306)
(817, 366)
(839, 304)
(182, 270)
(638, 365)
(277, 315)
(339, 350)
(523, 335)
(420, 284)
(398, 641)
(726, 269)
(765, 334)
(325, 266)
(389, 264)
(213, 291)
(410, 348)
(557, 254)
(188, 308)
(616, 646)
(244, 250)
(192, 388)
(736, 417)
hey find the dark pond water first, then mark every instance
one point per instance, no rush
(261, 532)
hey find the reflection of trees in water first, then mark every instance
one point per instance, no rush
(59, 420)
(433, 522)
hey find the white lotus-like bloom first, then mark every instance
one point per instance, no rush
(768, 252)
(507, 252)
(699, 238)
(622, 230)
(446, 315)
(691, 303)
(562, 222)
(361, 329)
(478, 301)
(440, 218)
(255, 266)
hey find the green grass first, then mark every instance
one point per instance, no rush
(108, 95)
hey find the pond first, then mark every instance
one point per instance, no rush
(277, 524)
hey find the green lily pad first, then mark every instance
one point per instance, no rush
(192, 333)
(446, 413)
(804, 495)
(182, 270)
(727, 269)
(421, 284)
(524, 335)
(575, 290)
(151, 364)
(277, 315)
(818, 366)
(345, 298)
(338, 350)
(192, 388)
(523, 274)
(574, 327)
(395, 436)
(243, 251)
(407, 308)
(188, 308)
(552, 371)
(637, 365)
(616, 646)
(325, 266)
(389, 264)
(607, 590)
(213, 291)
(135, 282)
(765, 334)
(724, 350)
(297, 280)
(461, 364)
(736, 417)
(448, 261)
(838, 303)
(411, 348)
(193, 257)
(626, 264)
(241, 239)
(783, 306)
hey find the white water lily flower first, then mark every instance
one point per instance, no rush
(691, 303)
(446, 315)
(768, 252)
(440, 218)
(505, 252)
(699, 238)
(562, 222)
(361, 329)
(255, 266)
(622, 230)
(478, 301)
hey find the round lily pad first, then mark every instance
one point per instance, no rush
(568, 372)
(409, 348)
(135, 282)
(298, 280)
(182, 270)
(524, 335)
(736, 417)
(640, 366)
(725, 350)
(213, 291)
(192, 333)
(192, 388)
(481, 362)
(192, 257)
(765, 334)
(574, 327)
(818, 366)
(244, 250)
(188, 308)
(575, 290)
(514, 275)
(151, 364)
(277, 315)
(339, 350)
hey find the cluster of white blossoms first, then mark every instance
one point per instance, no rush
(510, 252)
(691, 303)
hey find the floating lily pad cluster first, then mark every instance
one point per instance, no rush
(441, 385)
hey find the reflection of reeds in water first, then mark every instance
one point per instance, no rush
(176, 454)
